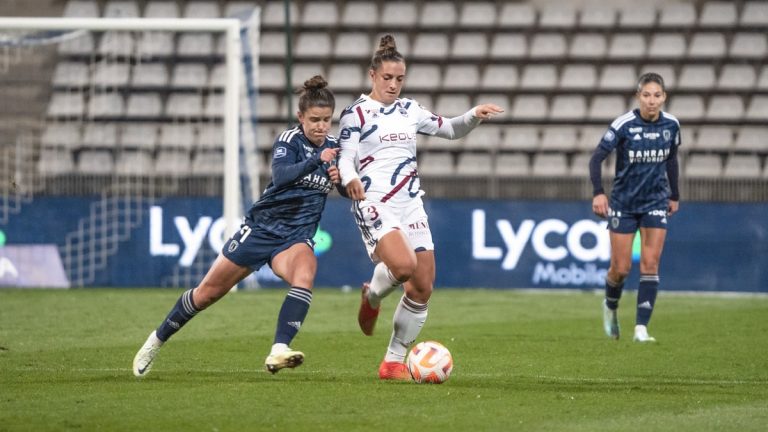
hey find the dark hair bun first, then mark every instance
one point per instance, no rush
(317, 82)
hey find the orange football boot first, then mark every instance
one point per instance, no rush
(367, 316)
(394, 371)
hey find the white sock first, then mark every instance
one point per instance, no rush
(278, 348)
(408, 320)
(382, 284)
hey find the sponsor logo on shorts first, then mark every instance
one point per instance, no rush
(377, 224)
(615, 222)
(233, 244)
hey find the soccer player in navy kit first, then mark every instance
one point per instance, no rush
(644, 194)
(277, 230)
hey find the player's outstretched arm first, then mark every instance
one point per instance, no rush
(487, 111)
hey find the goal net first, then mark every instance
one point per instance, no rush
(135, 111)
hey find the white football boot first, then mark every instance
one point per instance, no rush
(283, 357)
(142, 363)
(641, 334)
(610, 322)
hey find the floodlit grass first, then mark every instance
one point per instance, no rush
(523, 361)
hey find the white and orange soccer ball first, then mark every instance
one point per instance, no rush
(430, 362)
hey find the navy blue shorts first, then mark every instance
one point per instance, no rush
(252, 246)
(628, 223)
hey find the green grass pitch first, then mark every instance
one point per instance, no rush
(523, 361)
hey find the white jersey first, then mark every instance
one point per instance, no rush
(378, 145)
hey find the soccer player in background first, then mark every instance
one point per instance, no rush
(644, 194)
(378, 168)
(277, 230)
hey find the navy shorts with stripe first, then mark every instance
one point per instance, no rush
(628, 223)
(253, 246)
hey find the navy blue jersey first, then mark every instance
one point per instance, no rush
(292, 203)
(645, 153)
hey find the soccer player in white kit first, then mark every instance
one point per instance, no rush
(378, 168)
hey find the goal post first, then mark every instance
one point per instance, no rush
(230, 27)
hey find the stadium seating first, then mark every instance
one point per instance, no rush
(562, 72)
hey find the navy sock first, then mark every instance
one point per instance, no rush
(182, 311)
(646, 298)
(292, 314)
(613, 293)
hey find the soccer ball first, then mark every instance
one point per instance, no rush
(430, 362)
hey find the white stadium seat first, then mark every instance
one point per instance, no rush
(714, 138)
(725, 107)
(430, 46)
(520, 138)
(675, 15)
(144, 105)
(470, 45)
(461, 76)
(320, 14)
(600, 15)
(508, 46)
(106, 105)
(100, 135)
(539, 76)
(758, 108)
(697, 77)
(588, 46)
(474, 164)
(742, 166)
(637, 15)
(150, 75)
(436, 163)
(530, 107)
(139, 135)
(707, 45)
(557, 16)
(749, 45)
(438, 14)
(704, 165)
(548, 45)
(360, 13)
(95, 162)
(737, 76)
(161, 9)
(718, 14)
(514, 14)
(667, 45)
(184, 105)
(480, 14)
(513, 165)
(313, 44)
(754, 13)
(81, 9)
(202, 9)
(549, 165)
(499, 76)
(134, 162)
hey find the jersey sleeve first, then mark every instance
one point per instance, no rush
(350, 127)
(287, 166)
(429, 122)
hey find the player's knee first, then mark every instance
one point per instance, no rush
(619, 273)
(649, 266)
(403, 271)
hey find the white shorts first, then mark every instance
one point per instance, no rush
(376, 220)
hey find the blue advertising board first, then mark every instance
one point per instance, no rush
(490, 244)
